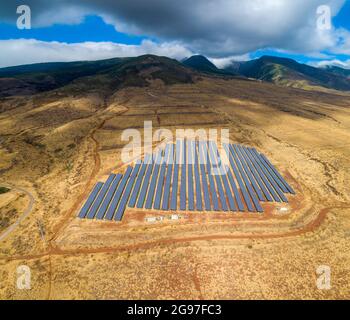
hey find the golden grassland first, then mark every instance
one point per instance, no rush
(56, 145)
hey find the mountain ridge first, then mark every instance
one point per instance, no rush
(104, 74)
(115, 73)
(288, 72)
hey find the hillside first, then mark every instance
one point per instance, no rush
(288, 72)
(339, 71)
(104, 75)
(56, 145)
(111, 74)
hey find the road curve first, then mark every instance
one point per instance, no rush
(29, 209)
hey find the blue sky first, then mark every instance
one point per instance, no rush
(343, 18)
(234, 32)
(92, 28)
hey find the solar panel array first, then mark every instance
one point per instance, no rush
(190, 176)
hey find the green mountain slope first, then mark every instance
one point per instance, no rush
(106, 74)
(339, 71)
(288, 72)
(113, 74)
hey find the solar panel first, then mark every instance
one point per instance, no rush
(239, 180)
(103, 208)
(122, 205)
(202, 167)
(277, 174)
(260, 173)
(92, 212)
(223, 176)
(165, 201)
(138, 182)
(215, 164)
(117, 195)
(190, 176)
(246, 181)
(145, 184)
(213, 192)
(270, 179)
(255, 172)
(235, 190)
(158, 196)
(249, 174)
(174, 190)
(199, 204)
(152, 187)
(90, 200)
(156, 182)
(183, 178)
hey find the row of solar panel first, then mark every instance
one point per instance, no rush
(204, 177)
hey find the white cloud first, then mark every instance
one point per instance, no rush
(221, 29)
(342, 37)
(218, 28)
(228, 27)
(224, 62)
(334, 62)
(69, 15)
(26, 51)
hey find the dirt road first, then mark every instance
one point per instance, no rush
(29, 209)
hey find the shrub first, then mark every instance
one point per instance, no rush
(4, 190)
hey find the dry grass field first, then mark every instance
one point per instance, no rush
(57, 145)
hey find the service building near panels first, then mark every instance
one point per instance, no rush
(201, 182)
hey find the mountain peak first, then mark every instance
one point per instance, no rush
(200, 62)
(203, 64)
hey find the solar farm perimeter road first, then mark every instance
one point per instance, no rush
(23, 215)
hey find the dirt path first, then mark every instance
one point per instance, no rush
(151, 94)
(97, 165)
(54, 249)
(29, 209)
(310, 227)
(50, 279)
(74, 208)
(95, 170)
